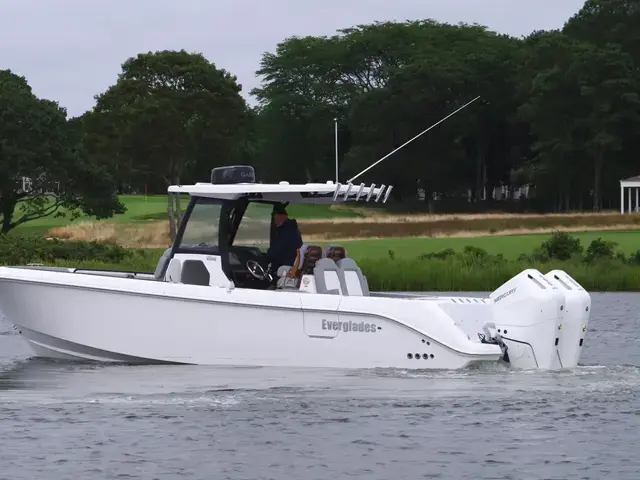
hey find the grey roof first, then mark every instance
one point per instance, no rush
(632, 179)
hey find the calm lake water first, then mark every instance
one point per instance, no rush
(62, 421)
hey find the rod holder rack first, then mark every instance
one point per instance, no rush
(362, 192)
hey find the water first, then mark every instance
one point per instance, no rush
(63, 421)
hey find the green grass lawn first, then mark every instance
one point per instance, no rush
(141, 208)
(511, 246)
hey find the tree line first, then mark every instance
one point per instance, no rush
(559, 110)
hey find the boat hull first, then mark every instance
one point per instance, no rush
(47, 346)
(72, 316)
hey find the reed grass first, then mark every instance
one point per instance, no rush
(141, 260)
(155, 234)
(128, 235)
(453, 275)
(457, 273)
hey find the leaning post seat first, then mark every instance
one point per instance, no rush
(352, 280)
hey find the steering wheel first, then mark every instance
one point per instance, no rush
(256, 270)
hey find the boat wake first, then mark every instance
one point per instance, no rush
(43, 381)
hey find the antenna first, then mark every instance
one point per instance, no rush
(335, 121)
(406, 143)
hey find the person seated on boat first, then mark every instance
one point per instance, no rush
(286, 240)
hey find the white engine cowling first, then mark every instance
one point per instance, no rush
(574, 318)
(527, 316)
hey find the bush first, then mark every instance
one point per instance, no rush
(600, 250)
(444, 254)
(561, 246)
(634, 258)
(20, 250)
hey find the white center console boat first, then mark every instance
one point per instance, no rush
(212, 301)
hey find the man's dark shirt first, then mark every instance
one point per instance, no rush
(285, 244)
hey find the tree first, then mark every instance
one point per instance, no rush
(603, 22)
(581, 102)
(41, 174)
(173, 112)
(448, 66)
(386, 82)
(299, 99)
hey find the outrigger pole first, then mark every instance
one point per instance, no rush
(407, 143)
(381, 189)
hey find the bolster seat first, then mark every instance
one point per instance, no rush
(327, 277)
(354, 283)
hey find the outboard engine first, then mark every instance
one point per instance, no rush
(527, 313)
(574, 317)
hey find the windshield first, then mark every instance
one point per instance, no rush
(255, 226)
(202, 228)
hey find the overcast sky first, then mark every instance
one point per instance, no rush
(70, 50)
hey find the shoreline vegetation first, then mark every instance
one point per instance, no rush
(156, 234)
(146, 226)
(598, 265)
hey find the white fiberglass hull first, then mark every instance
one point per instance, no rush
(90, 317)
